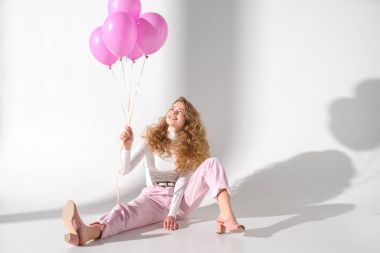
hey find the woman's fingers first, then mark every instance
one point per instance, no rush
(165, 224)
(174, 226)
(126, 134)
(170, 224)
(128, 128)
(129, 132)
(127, 137)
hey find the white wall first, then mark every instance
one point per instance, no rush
(289, 92)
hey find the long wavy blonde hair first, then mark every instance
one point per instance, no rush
(190, 147)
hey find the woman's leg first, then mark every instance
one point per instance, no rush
(209, 175)
(144, 210)
(150, 207)
(224, 204)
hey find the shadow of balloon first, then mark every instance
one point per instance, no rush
(296, 187)
(354, 120)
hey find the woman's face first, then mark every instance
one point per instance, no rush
(175, 117)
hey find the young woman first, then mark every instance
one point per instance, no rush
(179, 172)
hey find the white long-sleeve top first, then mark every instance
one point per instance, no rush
(157, 169)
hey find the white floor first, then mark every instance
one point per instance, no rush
(348, 223)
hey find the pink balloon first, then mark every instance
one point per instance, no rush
(135, 53)
(119, 33)
(152, 32)
(132, 7)
(99, 49)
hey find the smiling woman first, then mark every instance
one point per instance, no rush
(179, 172)
(183, 121)
(176, 116)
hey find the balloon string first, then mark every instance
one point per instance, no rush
(128, 115)
(121, 146)
(122, 104)
(117, 175)
(130, 90)
(137, 89)
(125, 83)
(122, 66)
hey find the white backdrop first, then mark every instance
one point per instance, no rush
(289, 92)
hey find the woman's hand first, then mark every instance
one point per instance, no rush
(170, 223)
(127, 137)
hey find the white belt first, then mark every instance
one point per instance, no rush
(165, 184)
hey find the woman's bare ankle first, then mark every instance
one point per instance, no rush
(225, 216)
(97, 230)
(87, 233)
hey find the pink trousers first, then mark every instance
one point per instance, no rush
(153, 203)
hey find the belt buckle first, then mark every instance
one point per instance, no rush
(165, 184)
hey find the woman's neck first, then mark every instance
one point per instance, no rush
(172, 135)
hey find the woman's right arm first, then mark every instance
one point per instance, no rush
(130, 161)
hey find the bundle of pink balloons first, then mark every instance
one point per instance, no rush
(127, 33)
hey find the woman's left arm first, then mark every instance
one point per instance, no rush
(179, 190)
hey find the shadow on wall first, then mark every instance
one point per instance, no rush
(293, 187)
(209, 66)
(355, 121)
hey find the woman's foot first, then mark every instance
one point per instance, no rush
(228, 223)
(79, 233)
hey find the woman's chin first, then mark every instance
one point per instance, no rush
(171, 122)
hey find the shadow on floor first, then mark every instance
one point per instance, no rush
(296, 187)
(93, 208)
(130, 235)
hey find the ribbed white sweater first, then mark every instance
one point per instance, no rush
(157, 169)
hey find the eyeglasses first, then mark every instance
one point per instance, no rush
(178, 111)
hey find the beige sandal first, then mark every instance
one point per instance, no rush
(72, 222)
(230, 225)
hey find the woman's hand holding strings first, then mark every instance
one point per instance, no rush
(127, 137)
